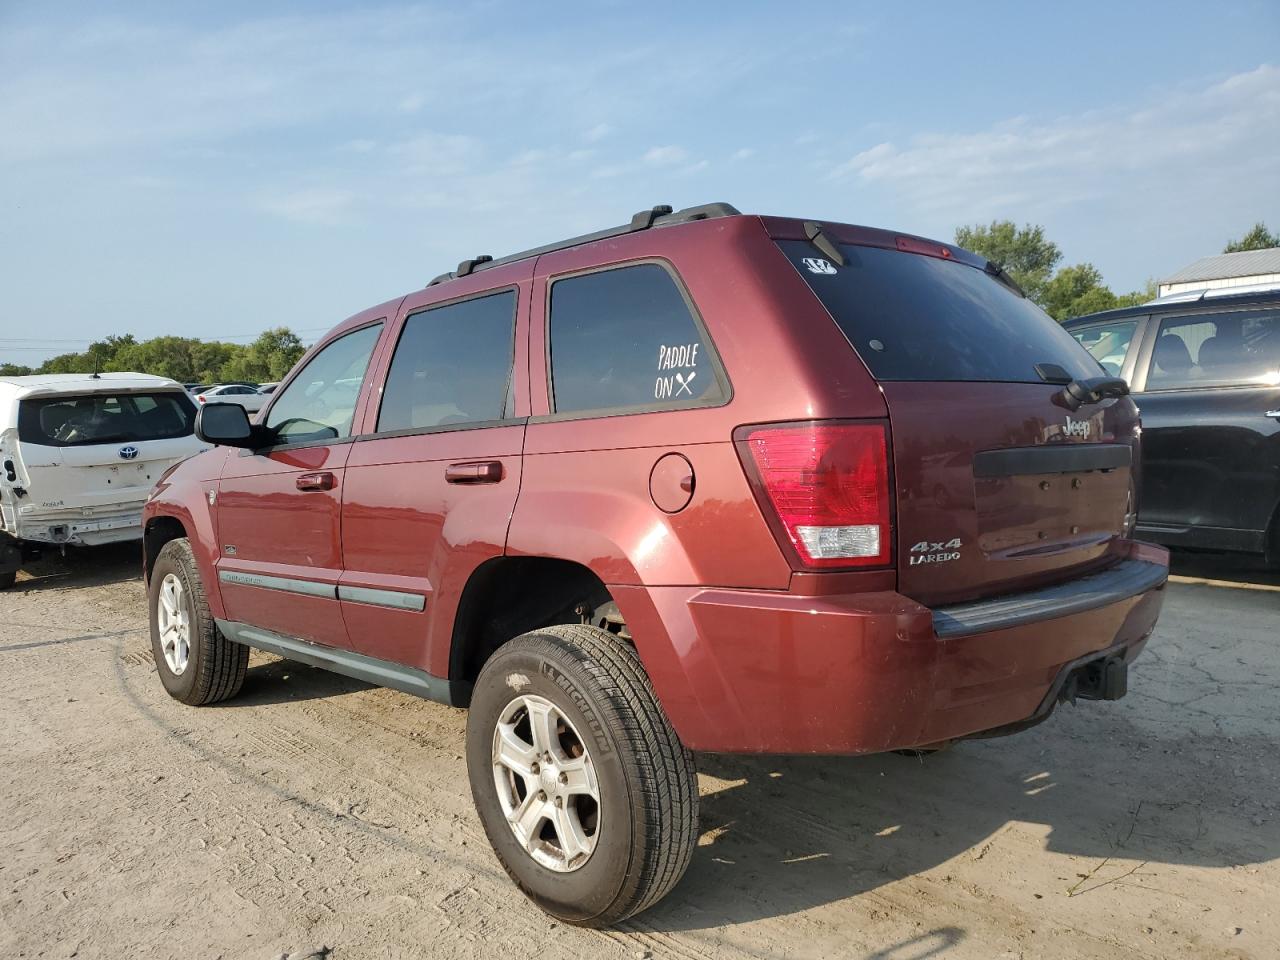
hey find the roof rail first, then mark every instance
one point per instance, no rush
(659, 216)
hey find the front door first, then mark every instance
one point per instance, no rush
(279, 508)
(430, 490)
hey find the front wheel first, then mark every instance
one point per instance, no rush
(585, 792)
(196, 663)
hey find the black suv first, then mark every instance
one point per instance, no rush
(1205, 372)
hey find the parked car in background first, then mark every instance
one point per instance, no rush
(243, 394)
(702, 482)
(1204, 368)
(79, 454)
(269, 388)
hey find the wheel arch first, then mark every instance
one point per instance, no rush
(159, 531)
(509, 596)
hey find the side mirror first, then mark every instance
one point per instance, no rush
(224, 424)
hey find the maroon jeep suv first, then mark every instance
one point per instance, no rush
(702, 482)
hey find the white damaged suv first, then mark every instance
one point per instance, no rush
(80, 454)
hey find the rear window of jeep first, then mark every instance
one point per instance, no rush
(915, 317)
(625, 340)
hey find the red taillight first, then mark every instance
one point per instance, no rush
(828, 487)
(200, 398)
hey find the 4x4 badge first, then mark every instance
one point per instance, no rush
(818, 265)
(930, 551)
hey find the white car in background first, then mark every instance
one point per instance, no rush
(80, 454)
(248, 397)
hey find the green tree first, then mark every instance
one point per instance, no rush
(68, 363)
(1025, 253)
(269, 357)
(1075, 290)
(159, 356)
(14, 370)
(1259, 238)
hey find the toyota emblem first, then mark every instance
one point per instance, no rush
(128, 453)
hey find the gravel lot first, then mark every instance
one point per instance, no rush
(314, 811)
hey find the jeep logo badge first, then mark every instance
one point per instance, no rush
(1078, 428)
(128, 453)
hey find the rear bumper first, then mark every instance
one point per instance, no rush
(93, 530)
(763, 672)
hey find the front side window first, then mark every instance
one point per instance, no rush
(1108, 342)
(625, 338)
(320, 402)
(451, 366)
(1225, 349)
(73, 421)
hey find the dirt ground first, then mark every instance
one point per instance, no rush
(315, 811)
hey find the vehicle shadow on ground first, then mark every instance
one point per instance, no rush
(81, 567)
(784, 835)
(288, 681)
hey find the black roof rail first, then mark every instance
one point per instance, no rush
(659, 216)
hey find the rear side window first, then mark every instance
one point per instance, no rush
(1108, 343)
(74, 421)
(452, 365)
(1225, 349)
(625, 339)
(914, 317)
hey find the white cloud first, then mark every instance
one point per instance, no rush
(597, 133)
(1185, 137)
(315, 205)
(746, 153)
(664, 156)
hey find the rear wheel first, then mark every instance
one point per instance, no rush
(585, 792)
(196, 663)
(7, 580)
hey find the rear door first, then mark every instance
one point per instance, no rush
(999, 487)
(431, 486)
(279, 508)
(1211, 452)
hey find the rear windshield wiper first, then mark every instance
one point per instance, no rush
(823, 243)
(1076, 393)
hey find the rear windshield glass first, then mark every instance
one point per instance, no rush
(72, 421)
(914, 317)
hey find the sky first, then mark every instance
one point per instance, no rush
(213, 170)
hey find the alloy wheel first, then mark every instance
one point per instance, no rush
(546, 783)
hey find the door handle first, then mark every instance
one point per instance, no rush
(488, 471)
(316, 481)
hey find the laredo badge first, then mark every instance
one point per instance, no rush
(927, 551)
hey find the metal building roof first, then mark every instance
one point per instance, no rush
(1247, 263)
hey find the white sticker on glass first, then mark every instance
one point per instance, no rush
(818, 265)
(680, 383)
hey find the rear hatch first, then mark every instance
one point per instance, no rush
(91, 453)
(999, 487)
